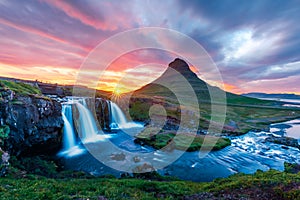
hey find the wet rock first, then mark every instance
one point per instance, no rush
(102, 108)
(35, 123)
(136, 159)
(143, 168)
(287, 141)
(118, 157)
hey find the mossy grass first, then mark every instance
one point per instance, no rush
(185, 142)
(280, 185)
(19, 87)
(4, 133)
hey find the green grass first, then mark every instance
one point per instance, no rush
(19, 88)
(182, 141)
(280, 185)
(21, 183)
(254, 116)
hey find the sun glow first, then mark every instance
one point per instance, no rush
(117, 94)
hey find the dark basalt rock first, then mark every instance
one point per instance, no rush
(287, 141)
(102, 113)
(179, 65)
(35, 123)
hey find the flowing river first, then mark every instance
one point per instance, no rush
(247, 154)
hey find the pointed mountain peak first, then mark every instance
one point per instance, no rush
(179, 65)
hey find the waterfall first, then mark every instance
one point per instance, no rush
(118, 119)
(87, 122)
(87, 127)
(69, 135)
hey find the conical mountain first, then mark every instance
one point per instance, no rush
(172, 79)
(178, 78)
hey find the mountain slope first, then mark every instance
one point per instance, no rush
(201, 88)
(179, 82)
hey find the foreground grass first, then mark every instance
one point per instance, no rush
(271, 184)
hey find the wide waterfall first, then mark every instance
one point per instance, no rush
(87, 122)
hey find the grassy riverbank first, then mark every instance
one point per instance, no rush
(261, 185)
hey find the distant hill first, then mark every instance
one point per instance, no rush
(54, 88)
(272, 96)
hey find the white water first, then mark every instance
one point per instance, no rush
(87, 127)
(69, 135)
(118, 119)
(69, 138)
(87, 122)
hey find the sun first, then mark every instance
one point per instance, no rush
(117, 94)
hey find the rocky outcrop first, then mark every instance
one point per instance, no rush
(35, 123)
(287, 141)
(102, 110)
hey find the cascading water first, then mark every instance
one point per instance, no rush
(87, 122)
(70, 148)
(118, 119)
(87, 127)
(69, 139)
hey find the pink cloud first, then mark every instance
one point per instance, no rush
(25, 28)
(95, 14)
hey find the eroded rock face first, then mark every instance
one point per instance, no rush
(35, 123)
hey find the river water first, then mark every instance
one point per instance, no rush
(247, 154)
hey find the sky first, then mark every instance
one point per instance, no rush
(255, 44)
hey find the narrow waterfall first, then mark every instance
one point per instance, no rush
(87, 122)
(69, 139)
(118, 119)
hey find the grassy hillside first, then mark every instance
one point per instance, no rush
(19, 87)
(244, 113)
(261, 185)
